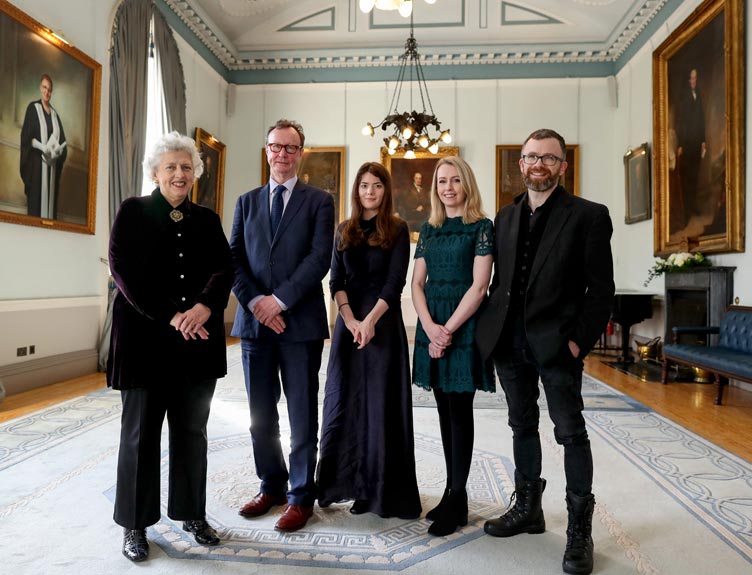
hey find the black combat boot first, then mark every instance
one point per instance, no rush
(578, 557)
(525, 516)
(452, 515)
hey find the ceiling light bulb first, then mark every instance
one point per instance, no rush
(406, 8)
(393, 143)
(366, 5)
(423, 141)
(409, 155)
(430, 1)
(367, 129)
(433, 148)
(446, 137)
(407, 133)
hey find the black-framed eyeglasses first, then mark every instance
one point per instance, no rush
(547, 159)
(289, 148)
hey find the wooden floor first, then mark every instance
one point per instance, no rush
(689, 404)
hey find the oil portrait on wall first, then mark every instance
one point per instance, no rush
(322, 167)
(49, 127)
(509, 182)
(411, 183)
(208, 190)
(698, 83)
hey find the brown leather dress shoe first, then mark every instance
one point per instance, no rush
(294, 518)
(261, 504)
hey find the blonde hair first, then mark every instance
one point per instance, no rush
(473, 211)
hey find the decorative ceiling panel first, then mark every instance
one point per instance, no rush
(246, 35)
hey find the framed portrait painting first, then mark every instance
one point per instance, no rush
(208, 190)
(509, 177)
(637, 184)
(49, 127)
(698, 139)
(322, 167)
(411, 183)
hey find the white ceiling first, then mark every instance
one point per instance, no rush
(248, 35)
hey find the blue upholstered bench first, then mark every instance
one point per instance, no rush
(731, 358)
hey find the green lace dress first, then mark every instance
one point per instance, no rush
(449, 253)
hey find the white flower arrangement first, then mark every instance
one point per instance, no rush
(677, 262)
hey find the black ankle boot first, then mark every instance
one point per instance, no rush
(578, 556)
(525, 516)
(433, 515)
(452, 515)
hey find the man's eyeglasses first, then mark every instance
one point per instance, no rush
(289, 148)
(547, 159)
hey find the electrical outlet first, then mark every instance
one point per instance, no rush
(32, 349)
(21, 351)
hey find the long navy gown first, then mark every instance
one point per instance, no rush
(367, 449)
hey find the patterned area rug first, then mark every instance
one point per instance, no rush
(667, 500)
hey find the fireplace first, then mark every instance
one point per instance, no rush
(697, 298)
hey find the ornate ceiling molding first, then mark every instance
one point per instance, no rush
(228, 56)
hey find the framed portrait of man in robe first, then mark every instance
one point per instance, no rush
(49, 127)
(699, 132)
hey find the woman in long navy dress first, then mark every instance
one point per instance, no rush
(367, 451)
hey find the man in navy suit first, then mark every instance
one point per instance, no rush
(550, 300)
(282, 244)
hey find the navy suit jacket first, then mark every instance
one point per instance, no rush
(571, 286)
(290, 266)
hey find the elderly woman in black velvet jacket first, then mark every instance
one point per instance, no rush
(173, 269)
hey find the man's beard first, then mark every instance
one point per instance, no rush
(540, 185)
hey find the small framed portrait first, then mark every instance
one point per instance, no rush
(49, 121)
(323, 168)
(509, 177)
(699, 132)
(637, 184)
(411, 183)
(208, 190)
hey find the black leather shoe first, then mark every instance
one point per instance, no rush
(203, 533)
(359, 507)
(135, 545)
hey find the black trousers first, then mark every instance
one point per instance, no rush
(187, 407)
(562, 384)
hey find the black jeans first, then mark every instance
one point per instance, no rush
(562, 383)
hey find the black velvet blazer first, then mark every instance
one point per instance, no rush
(161, 267)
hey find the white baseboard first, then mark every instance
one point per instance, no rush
(27, 375)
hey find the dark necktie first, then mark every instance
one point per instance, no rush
(278, 206)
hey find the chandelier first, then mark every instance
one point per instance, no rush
(411, 131)
(405, 7)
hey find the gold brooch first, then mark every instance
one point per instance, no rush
(176, 215)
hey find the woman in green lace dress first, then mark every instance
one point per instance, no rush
(453, 261)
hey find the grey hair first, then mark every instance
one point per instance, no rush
(173, 142)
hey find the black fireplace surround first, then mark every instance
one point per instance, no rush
(695, 298)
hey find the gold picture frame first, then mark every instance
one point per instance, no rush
(64, 198)
(412, 201)
(698, 137)
(509, 177)
(637, 184)
(208, 190)
(322, 167)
